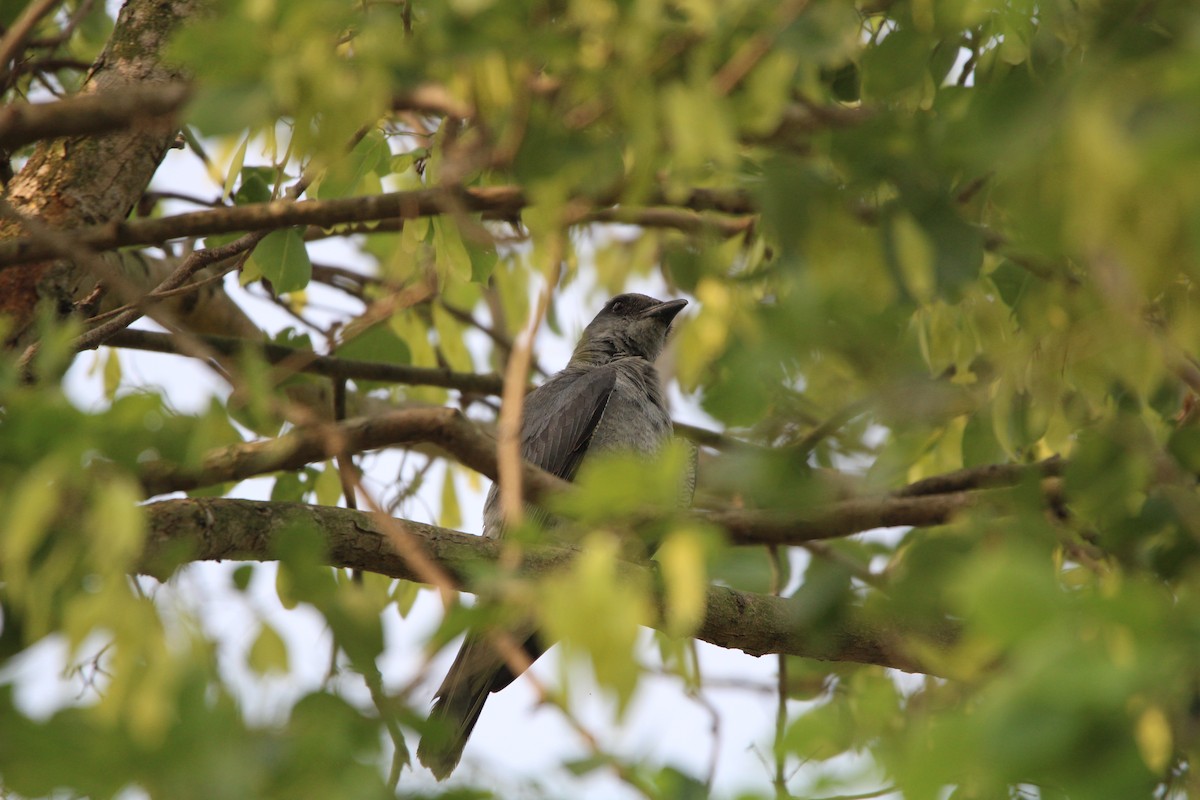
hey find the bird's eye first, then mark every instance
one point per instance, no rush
(618, 307)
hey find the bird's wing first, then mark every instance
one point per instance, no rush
(560, 418)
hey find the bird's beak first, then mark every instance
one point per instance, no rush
(665, 311)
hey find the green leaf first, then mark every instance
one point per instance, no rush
(282, 259)
(290, 487)
(597, 614)
(377, 343)
(452, 340)
(451, 515)
(268, 654)
(586, 766)
(979, 443)
(242, 576)
(404, 593)
(744, 569)
(617, 483)
(453, 260)
(117, 525)
(328, 485)
(255, 186)
(1184, 446)
(370, 157)
(112, 374)
(1010, 281)
(897, 64)
(483, 262)
(683, 556)
(235, 166)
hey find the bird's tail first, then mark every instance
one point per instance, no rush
(477, 671)
(450, 724)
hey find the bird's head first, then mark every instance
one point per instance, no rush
(628, 325)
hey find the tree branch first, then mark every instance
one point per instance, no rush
(989, 475)
(77, 181)
(445, 427)
(17, 36)
(315, 364)
(87, 114)
(500, 202)
(218, 529)
(449, 430)
(431, 98)
(841, 519)
(351, 369)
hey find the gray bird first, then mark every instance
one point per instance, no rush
(607, 398)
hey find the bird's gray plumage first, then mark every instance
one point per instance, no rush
(607, 398)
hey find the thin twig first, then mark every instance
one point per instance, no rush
(831, 425)
(16, 37)
(778, 565)
(314, 363)
(508, 448)
(987, 476)
(753, 49)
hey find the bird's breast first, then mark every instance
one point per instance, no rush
(636, 418)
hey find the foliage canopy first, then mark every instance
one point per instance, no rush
(942, 255)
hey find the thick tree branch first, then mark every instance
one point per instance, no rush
(450, 431)
(500, 202)
(88, 114)
(445, 427)
(219, 529)
(72, 182)
(80, 181)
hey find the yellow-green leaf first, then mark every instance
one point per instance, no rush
(1154, 739)
(268, 654)
(683, 555)
(328, 485)
(597, 614)
(451, 516)
(451, 339)
(117, 525)
(235, 167)
(112, 373)
(452, 259)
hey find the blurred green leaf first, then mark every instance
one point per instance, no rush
(683, 555)
(255, 185)
(377, 343)
(268, 653)
(597, 614)
(369, 159)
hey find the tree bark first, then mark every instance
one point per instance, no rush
(222, 529)
(83, 180)
(458, 438)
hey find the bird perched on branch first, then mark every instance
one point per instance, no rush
(608, 398)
